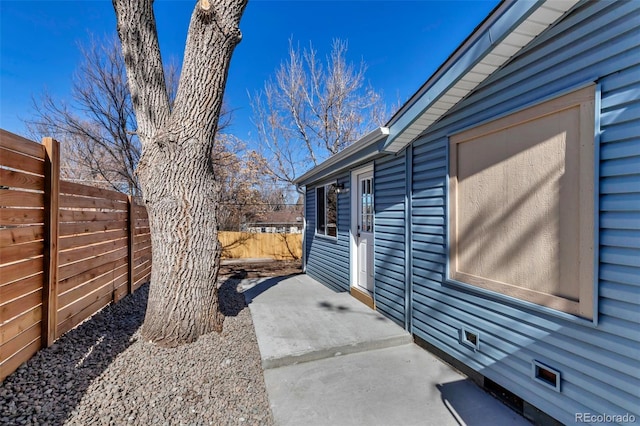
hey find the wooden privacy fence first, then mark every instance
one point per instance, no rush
(243, 245)
(66, 250)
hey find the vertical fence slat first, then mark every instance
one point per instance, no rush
(131, 226)
(78, 221)
(52, 193)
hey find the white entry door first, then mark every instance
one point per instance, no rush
(364, 231)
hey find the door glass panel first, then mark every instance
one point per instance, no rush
(366, 206)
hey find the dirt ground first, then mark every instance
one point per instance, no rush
(272, 268)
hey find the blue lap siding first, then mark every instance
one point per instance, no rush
(599, 365)
(389, 234)
(599, 361)
(328, 258)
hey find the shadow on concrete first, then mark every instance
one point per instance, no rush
(471, 405)
(262, 285)
(342, 309)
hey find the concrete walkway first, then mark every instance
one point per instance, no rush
(330, 360)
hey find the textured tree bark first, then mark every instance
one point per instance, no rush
(175, 170)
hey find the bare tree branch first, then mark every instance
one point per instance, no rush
(100, 144)
(97, 128)
(313, 109)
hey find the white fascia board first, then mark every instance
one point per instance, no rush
(473, 56)
(329, 165)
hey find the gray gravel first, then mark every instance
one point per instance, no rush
(102, 373)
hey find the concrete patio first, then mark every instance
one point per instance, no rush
(330, 360)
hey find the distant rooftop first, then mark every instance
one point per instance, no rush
(279, 218)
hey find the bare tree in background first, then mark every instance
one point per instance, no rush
(176, 171)
(247, 192)
(240, 183)
(313, 109)
(97, 127)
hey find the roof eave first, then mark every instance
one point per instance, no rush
(508, 29)
(341, 160)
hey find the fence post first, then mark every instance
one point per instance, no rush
(131, 226)
(51, 218)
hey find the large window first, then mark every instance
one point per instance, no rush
(521, 204)
(327, 210)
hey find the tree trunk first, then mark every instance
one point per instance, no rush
(183, 301)
(175, 170)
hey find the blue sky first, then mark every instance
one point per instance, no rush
(402, 42)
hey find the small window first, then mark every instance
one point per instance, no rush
(327, 210)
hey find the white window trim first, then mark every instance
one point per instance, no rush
(316, 233)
